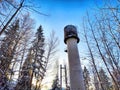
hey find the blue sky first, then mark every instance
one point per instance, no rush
(61, 13)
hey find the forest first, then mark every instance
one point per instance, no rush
(27, 55)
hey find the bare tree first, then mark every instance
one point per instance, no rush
(105, 36)
(52, 46)
(92, 57)
(100, 52)
(19, 7)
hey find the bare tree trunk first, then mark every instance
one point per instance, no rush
(111, 58)
(98, 47)
(92, 57)
(52, 45)
(106, 47)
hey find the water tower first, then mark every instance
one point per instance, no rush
(76, 75)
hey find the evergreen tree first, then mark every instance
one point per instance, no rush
(55, 84)
(96, 82)
(104, 79)
(38, 47)
(86, 75)
(39, 60)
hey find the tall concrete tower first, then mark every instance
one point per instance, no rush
(76, 74)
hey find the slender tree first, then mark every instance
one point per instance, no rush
(100, 52)
(8, 48)
(92, 57)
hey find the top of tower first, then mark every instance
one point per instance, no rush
(70, 31)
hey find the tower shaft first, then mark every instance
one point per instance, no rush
(76, 75)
